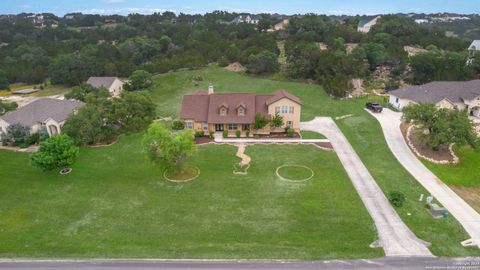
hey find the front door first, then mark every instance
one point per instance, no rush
(219, 127)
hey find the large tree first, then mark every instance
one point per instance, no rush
(139, 80)
(442, 126)
(81, 91)
(55, 152)
(264, 62)
(132, 112)
(164, 147)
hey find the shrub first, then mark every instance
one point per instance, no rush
(210, 134)
(56, 152)
(290, 132)
(225, 134)
(199, 133)
(178, 125)
(238, 133)
(396, 198)
(17, 134)
(247, 133)
(256, 136)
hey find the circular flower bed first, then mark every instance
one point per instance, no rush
(65, 171)
(294, 173)
(182, 175)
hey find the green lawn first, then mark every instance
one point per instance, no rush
(362, 130)
(466, 173)
(311, 135)
(115, 203)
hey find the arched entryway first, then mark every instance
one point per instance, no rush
(53, 130)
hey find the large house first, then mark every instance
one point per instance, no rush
(113, 84)
(216, 112)
(44, 112)
(445, 94)
(249, 19)
(364, 25)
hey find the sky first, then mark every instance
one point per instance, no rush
(330, 7)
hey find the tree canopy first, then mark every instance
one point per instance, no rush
(55, 152)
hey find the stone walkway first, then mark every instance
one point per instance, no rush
(463, 212)
(241, 154)
(394, 236)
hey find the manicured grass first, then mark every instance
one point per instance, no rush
(466, 173)
(311, 135)
(362, 130)
(115, 203)
(294, 172)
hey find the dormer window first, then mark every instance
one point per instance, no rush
(241, 111)
(223, 111)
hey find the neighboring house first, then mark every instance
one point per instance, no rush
(364, 25)
(421, 21)
(453, 94)
(44, 112)
(250, 19)
(209, 111)
(113, 84)
(473, 50)
(281, 25)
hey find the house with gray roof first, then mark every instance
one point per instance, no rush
(113, 84)
(463, 95)
(365, 24)
(473, 50)
(46, 113)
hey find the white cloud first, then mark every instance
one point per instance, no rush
(26, 6)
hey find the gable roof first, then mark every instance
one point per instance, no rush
(434, 92)
(475, 46)
(282, 94)
(362, 22)
(41, 110)
(201, 107)
(105, 82)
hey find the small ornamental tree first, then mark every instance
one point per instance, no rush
(260, 121)
(16, 134)
(277, 120)
(55, 152)
(163, 147)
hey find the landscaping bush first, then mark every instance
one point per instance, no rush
(178, 125)
(210, 134)
(16, 135)
(238, 133)
(225, 134)
(396, 198)
(56, 152)
(199, 134)
(247, 134)
(290, 132)
(257, 136)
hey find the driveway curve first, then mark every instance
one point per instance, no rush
(464, 213)
(394, 236)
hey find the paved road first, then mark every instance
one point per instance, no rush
(394, 236)
(464, 213)
(390, 263)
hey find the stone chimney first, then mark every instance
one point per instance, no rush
(210, 88)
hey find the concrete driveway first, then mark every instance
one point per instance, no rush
(394, 236)
(464, 213)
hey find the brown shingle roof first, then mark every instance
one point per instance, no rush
(283, 94)
(201, 107)
(433, 92)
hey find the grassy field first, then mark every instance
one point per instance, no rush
(115, 203)
(311, 135)
(362, 130)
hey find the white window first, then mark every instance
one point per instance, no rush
(241, 111)
(246, 127)
(277, 109)
(284, 109)
(289, 124)
(190, 125)
(223, 111)
(232, 126)
(205, 126)
(291, 109)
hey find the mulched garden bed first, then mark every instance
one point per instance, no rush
(279, 135)
(442, 154)
(326, 145)
(203, 140)
(105, 142)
